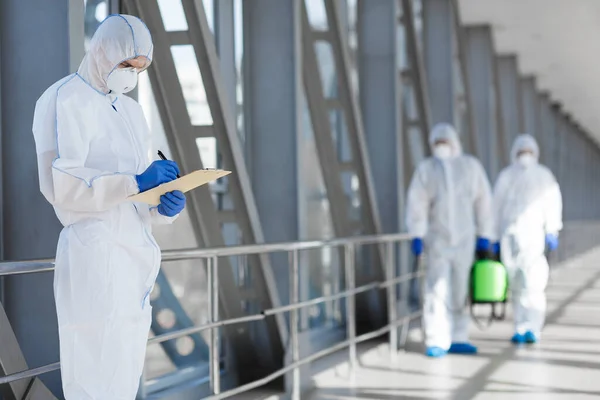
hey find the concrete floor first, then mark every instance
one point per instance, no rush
(564, 365)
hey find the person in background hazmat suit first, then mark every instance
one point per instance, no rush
(528, 214)
(448, 216)
(93, 152)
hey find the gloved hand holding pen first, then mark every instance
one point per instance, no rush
(157, 173)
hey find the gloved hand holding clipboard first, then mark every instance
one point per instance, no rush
(183, 184)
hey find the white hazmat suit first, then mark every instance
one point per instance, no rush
(449, 205)
(527, 206)
(90, 146)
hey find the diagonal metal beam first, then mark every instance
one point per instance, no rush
(417, 66)
(354, 123)
(264, 284)
(205, 218)
(343, 154)
(323, 136)
(12, 361)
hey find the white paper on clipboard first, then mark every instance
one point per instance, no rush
(183, 184)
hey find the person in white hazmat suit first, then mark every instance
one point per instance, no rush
(528, 214)
(448, 216)
(93, 150)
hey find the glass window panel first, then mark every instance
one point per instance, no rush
(317, 15)
(319, 269)
(172, 15)
(326, 62)
(352, 9)
(95, 12)
(238, 27)
(209, 7)
(207, 147)
(190, 79)
(339, 131)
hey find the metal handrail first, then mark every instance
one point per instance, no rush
(44, 265)
(292, 248)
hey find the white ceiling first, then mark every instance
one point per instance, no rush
(558, 41)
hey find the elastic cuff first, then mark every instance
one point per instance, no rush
(131, 185)
(418, 234)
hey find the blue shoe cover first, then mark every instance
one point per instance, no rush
(518, 338)
(435, 352)
(462, 348)
(530, 337)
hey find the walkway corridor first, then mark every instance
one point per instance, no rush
(565, 365)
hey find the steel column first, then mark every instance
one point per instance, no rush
(440, 53)
(482, 79)
(531, 113)
(29, 225)
(225, 42)
(554, 137)
(510, 98)
(272, 102)
(380, 84)
(545, 135)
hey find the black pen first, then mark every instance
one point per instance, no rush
(162, 157)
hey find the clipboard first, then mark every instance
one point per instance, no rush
(184, 184)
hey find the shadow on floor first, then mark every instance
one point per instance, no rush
(421, 393)
(477, 383)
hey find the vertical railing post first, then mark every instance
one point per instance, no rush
(294, 322)
(214, 353)
(349, 270)
(391, 296)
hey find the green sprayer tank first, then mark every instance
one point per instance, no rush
(489, 285)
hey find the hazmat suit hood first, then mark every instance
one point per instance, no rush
(119, 38)
(524, 142)
(446, 131)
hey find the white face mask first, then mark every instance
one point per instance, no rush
(442, 151)
(526, 159)
(122, 80)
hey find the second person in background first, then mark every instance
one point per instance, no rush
(449, 217)
(528, 211)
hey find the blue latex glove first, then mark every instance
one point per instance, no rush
(171, 203)
(552, 241)
(417, 246)
(483, 244)
(157, 173)
(496, 248)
